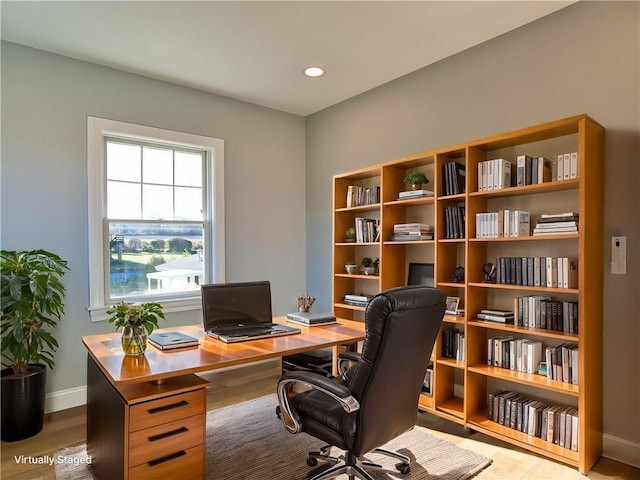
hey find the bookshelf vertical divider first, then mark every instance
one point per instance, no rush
(461, 385)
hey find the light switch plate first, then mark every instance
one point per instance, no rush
(619, 255)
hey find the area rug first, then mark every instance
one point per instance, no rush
(247, 441)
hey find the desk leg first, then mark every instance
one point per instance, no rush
(337, 349)
(105, 426)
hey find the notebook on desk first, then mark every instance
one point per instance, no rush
(237, 312)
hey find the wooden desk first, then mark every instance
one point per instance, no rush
(146, 415)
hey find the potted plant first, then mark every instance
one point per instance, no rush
(415, 180)
(350, 267)
(350, 234)
(32, 303)
(137, 322)
(376, 266)
(367, 263)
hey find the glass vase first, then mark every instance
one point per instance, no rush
(134, 340)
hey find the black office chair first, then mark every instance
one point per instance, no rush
(376, 399)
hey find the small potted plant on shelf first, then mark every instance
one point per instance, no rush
(137, 323)
(367, 263)
(32, 305)
(350, 267)
(415, 180)
(350, 234)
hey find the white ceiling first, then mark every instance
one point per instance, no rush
(255, 50)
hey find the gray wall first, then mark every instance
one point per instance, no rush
(46, 99)
(582, 59)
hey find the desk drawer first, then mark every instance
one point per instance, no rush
(187, 463)
(155, 442)
(167, 409)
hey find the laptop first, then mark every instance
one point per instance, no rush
(237, 312)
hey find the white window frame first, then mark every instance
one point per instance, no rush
(97, 130)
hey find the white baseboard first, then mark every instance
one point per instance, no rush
(621, 450)
(63, 399)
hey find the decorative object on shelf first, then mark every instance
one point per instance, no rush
(416, 180)
(367, 263)
(451, 307)
(305, 302)
(458, 274)
(137, 322)
(376, 266)
(350, 234)
(32, 303)
(489, 270)
(351, 267)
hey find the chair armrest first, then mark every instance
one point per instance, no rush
(337, 391)
(346, 358)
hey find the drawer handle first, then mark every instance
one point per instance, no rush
(171, 433)
(168, 458)
(183, 403)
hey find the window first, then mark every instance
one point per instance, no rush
(155, 215)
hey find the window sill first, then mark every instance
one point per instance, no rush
(99, 314)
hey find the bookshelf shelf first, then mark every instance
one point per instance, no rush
(538, 381)
(461, 388)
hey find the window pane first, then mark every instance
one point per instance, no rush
(188, 169)
(151, 259)
(157, 165)
(123, 200)
(123, 162)
(188, 203)
(157, 202)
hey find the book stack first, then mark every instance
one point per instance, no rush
(520, 355)
(564, 166)
(494, 175)
(555, 424)
(453, 344)
(532, 170)
(357, 299)
(367, 230)
(562, 363)
(408, 194)
(549, 272)
(411, 232)
(537, 311)
(557, 223)
(503, 223)
(499, 316)
(454, 175)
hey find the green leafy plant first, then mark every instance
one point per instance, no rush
(415, 178)
(350, 262)
(32, 302)
(132, 315)
(350, 233)
(366, 262)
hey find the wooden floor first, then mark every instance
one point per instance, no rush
(67, 428)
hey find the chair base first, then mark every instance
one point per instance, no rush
(352, 466)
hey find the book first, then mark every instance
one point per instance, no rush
(360, 297)
(308, 318)
(495, 318)
(415, 193)
(172, 340)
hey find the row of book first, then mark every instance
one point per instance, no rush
(520, 355)
(558, 223)
(357, 299)
(503, 223)
(549, 272)
(532, 170)
(453, 344)
(564, 166)
(367, 230)
(406, 232)
(454, 175)
(454, 218)
(494, 174)
(538, 311)
(562, 363)
(555, 424)
(357, 196)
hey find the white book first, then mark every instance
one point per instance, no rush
(574, 431)
(534, 356)
(573, 170)
(549, 267)
(566, 166)
(489, 175)
(520, 170)
(522, 227)
(561, 167)
(561, 271)
(481, 176)
(554, 169)
(506, 232)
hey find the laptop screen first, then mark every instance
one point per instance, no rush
(236, 303)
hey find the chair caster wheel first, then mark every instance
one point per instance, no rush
(278, 411)
(404, 468)
(312, 462)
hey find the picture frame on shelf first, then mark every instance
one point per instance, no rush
(451, 307)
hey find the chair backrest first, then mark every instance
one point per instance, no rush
(401, 326)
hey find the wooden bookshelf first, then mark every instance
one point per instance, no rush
(461, 387)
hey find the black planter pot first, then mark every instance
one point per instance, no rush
(23, 403)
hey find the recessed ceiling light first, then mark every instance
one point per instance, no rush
(314, 71)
